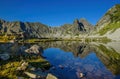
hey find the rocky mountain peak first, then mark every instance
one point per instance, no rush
(78, 25)
(82, 20)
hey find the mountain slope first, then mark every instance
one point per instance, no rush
(110, 21)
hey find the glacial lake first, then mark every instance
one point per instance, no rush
(68, 59)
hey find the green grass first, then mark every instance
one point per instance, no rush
(110, 27)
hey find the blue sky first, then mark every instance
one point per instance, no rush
(54, 12)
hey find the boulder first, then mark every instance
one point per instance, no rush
(50, 76)
(35, 49)
(4, 56)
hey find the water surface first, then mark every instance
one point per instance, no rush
(69, 59)
(96, 61)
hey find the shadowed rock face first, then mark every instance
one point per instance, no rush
(79, 25)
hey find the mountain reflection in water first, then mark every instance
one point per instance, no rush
(96, 60)
(69, 59)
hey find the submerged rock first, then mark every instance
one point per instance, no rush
(35, 49)
(4, 56)
(50, 76)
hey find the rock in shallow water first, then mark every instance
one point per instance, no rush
(4, 56)
(35, 49)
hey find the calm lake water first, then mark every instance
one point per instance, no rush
(96, 61)
(69, 59)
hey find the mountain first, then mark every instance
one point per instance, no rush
(31, 30)
(109, 24)
(79, 27)
(39, 30)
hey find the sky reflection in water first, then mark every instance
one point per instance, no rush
(90, 65)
